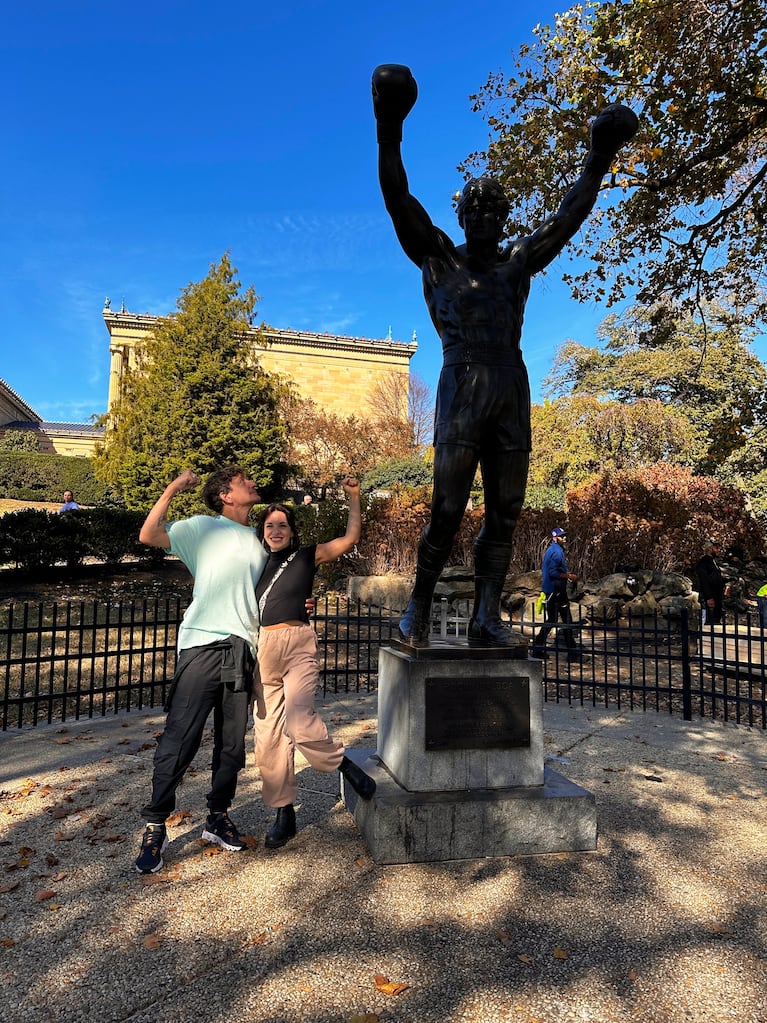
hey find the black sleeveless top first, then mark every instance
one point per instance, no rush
(286, 601)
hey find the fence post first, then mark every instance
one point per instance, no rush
(686, 672)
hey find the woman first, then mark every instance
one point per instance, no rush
(288, 664)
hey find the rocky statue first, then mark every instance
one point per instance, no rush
(476, 294)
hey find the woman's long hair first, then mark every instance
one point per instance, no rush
(289, 514)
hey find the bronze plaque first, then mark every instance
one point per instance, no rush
(477, 713)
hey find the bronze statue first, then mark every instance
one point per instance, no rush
(476, 296)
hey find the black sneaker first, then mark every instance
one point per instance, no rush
(153, 845)
(219, 829)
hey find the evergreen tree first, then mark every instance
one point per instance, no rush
(196, 398)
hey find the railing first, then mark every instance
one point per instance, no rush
(85, 658)
(62, 661)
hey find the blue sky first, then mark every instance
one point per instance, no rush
(140, 142)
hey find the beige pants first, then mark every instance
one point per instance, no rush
(286, 719)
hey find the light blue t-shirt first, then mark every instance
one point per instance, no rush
(226, 561)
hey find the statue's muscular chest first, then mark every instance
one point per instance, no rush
(475, 299)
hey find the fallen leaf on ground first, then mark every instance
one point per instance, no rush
(527, 960)
(9, 943)
(44, 895)
(366, 1017)
(164, 878)
(721, 932)
(559, 953)
(8, 887)
(177, 817)
(389, 987)
(151, 941)
(504, 937)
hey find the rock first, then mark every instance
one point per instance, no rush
(675, 605)
(600, 608)
(645, 605)
(614, 586)
(392, 591)
(669, 584)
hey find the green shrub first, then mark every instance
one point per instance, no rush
(32, 476)
(35, 540)
(113, 534)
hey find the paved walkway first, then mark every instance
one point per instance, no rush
(666, 921)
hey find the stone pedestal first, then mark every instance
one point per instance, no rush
(459, 766)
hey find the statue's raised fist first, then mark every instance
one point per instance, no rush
(394, 92)
(613, 127)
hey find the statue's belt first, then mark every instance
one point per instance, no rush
(483, 356)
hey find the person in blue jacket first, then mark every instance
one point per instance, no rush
(554, 585)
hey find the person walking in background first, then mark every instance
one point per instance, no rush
(216, 652)
(713, 588)
(554, 585)
(288, 665)
(69, 502)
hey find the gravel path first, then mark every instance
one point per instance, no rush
(665, 922)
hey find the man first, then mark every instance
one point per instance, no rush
(476, 296)
(69, 502)
(554, 585)
(216, 651)
(711, 582)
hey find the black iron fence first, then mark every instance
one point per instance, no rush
(70, 660)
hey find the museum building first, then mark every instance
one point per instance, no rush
(337, 372)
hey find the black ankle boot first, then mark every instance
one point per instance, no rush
(283, 829)
(415, 626)
(491, 562)
(362, 783)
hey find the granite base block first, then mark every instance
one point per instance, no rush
(419, 827)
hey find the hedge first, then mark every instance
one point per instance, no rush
(32, 476)
(35, 540)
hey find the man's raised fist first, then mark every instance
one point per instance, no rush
(394, 93)
(612, 128)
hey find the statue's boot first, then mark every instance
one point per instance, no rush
(491, 563)
(415, 624)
